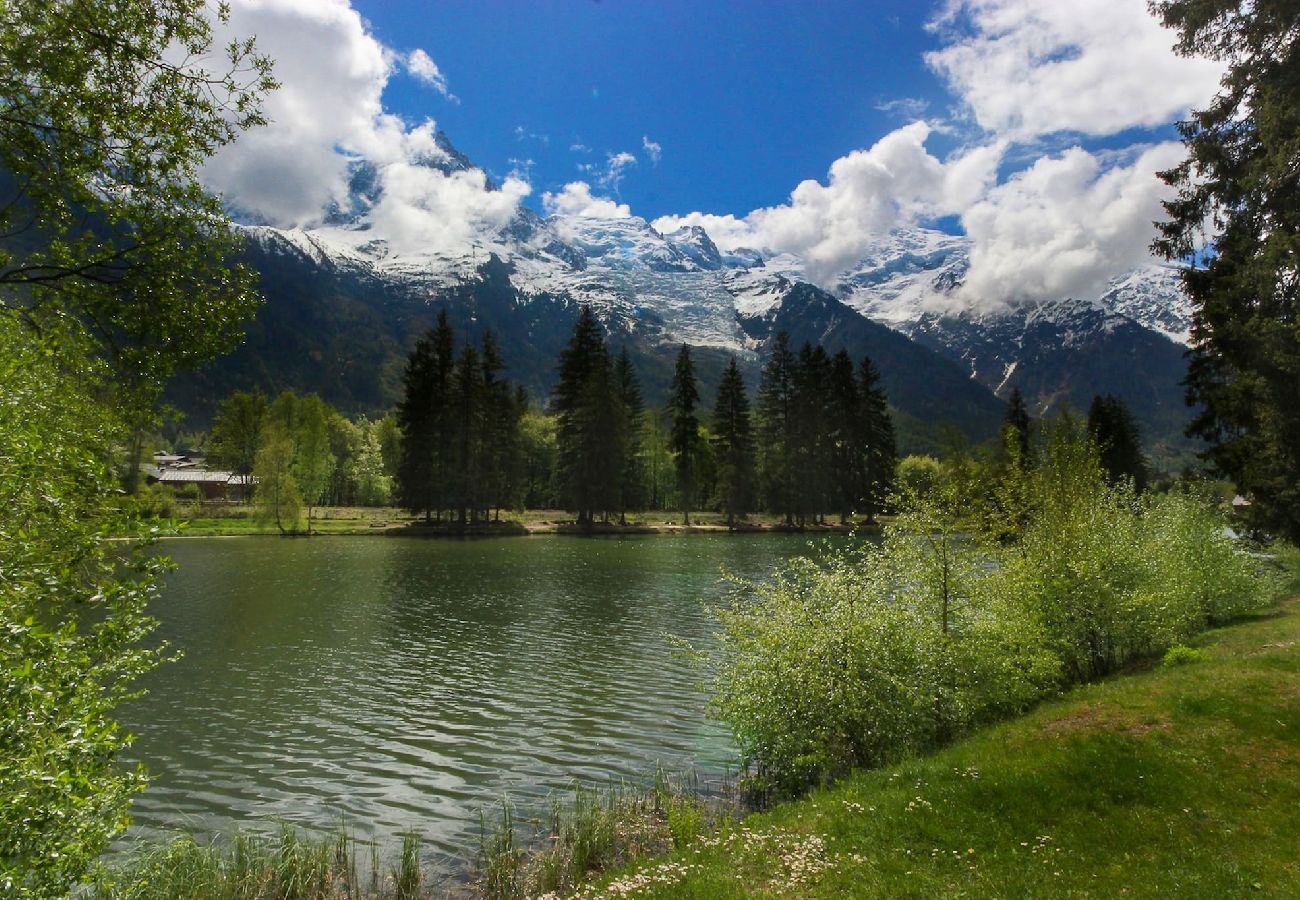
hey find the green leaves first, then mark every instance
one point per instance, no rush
(72, 614)
(962, 616)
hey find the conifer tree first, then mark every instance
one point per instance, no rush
(882, 448)
(576, 408)
(1237, 215)
(467, 438)
(1119, 443)
(631, 478)
(776, 422)
(733, 441)
(848, 437)
(417, 418)
(811, 451)
(683, 395)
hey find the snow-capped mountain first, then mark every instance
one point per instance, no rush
(366, 291)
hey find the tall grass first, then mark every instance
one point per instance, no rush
(594, 831)
(286, 866)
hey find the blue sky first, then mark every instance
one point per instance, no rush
(745, 99)
(1036, 128)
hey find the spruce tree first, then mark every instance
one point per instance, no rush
(467, 437)
(848, 437)
(1237, 217)
(812, 447)
(575, 406)
(417, 420)
(631, 477)
(733, 442)
(882, 447)
(776, 422)
(683, 395)
(1119, 443)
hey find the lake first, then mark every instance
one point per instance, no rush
(396, 684)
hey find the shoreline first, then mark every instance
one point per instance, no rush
(203, 527)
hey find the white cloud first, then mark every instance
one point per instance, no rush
(1027, 68)
(424, 69)
(327, 114)
(576, 199)
(909, 108)
(867, 193)
(1065, 225)
(653, 150)
(422, 209)
(579, 147)
(616, 165)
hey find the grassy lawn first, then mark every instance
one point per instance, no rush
(1179, 782)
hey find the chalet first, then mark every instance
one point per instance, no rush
(178, 470)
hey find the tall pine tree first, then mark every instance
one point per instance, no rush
(1119, 443)
(733, 441)
(882, 448)
(631, 477)
(683, 395)
(576, 404)
(1016, 425)
(776, 424)
(1242, 177)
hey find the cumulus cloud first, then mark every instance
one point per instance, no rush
(1027, 68)
(868, 192)
(422, 67)
(1064, 226)
(332, 74)
(653, 150)
(576, 199)
(327, 115)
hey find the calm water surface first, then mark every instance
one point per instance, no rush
(401, 683)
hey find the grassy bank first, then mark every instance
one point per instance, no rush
(213, 520)
(1182, 781)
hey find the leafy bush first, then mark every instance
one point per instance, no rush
(1180, 655)
(991, 590)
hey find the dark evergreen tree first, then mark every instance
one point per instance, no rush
(1242, 175)
(576, 406)
(498, 422)
(631, 477)
(445, 422)
(812, 444)
(733, 442)
(416, 419)
(776, 424)
(847, 436)
(1016, 424)
(1119, 443)
(683, 395)
(467, 443)
(882, 448)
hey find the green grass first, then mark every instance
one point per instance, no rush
(1182, 781)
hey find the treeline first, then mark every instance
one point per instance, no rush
(819, 440)
(465, 443)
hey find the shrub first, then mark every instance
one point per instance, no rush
(1179, 655)
(987, 593)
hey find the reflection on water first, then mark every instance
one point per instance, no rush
(400, 683)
